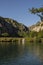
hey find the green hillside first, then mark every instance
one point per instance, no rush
(11, 28)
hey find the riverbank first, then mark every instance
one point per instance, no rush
(12, 39)
(40, 40)
(9, 39)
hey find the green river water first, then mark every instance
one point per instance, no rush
(17, 53)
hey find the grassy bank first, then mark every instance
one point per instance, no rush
(12, 39)
(40, 40)
(9, 39)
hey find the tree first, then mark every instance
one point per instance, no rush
(38, 11)
(33, 34)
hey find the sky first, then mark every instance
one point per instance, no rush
(18, 10)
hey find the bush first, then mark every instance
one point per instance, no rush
(5, 34)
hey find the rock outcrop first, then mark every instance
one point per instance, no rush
(37, 27)
(10, 27)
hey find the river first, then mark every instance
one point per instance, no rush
(15, 53)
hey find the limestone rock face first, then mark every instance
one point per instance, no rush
(37, 27)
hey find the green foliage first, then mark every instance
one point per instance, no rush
(5, 34)
(40, 34)
(32, 34)
(36, 10)
(23, 34)
(12, 28)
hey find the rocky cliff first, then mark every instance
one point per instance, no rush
(10, 27)
(37, 27)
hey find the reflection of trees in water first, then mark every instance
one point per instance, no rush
(9, 49)
(37, 49)
(12, 50)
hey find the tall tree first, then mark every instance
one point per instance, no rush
(38, 11)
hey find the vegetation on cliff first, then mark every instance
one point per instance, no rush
(36, 30)
(11, 28)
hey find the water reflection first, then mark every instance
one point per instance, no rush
(16, 53)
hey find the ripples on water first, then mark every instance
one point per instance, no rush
(21, 54)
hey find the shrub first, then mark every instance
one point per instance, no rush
(5, 34)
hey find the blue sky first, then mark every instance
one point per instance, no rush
(18, 10)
